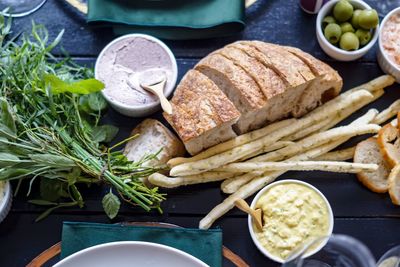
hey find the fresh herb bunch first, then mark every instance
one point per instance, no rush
(49, 130)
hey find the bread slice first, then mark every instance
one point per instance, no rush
(321, 90)
(324, 87)
(269, 82)
(153, 136)
(202, 114)
(368, 151)
(387, 137)
(394, 185)
(239, 87)
(294, 73)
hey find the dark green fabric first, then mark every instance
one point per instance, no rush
(169, 19)
(205, 245)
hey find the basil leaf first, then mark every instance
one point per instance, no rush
(96, 102)
(111, 205)
(84, 104)
(52, 189)
(81, 87)
(52, 160)
(104, 133)
(99, 134)
(73, 176)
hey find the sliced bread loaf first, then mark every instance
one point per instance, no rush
(202, 115)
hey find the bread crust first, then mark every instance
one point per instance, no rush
(319, 68)
(279, 60)
(361, 150)
(390, 152)
(198, 106)
(394, 185)
(269, 82)
(248, 90)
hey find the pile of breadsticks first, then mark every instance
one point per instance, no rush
(248, 162)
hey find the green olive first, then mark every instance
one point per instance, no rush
(368, 19)
(332, 33)
(355, 18)
(346, 27)
(327, 20)
(364, 36)
(349, 41)
(343, 11)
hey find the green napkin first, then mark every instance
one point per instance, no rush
(169, 19)
(206, 245)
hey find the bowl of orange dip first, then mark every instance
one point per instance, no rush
(389, 44)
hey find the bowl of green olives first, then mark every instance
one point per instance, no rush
(347, 29)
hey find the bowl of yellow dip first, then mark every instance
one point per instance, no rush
(294, 213)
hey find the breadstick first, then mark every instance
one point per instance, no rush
(330, 166)
(340, 155)
(161, 180)
(231, 185)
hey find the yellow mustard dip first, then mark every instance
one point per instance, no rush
(292, 214)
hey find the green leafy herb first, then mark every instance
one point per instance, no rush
(104, 133)
(50, 130)
(83, 87)
(111, 204)
(96, 102)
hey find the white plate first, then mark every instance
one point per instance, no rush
(130, 254)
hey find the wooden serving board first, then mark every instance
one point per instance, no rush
(55, 250)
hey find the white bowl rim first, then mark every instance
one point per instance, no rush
(7, 196)
(323, 12)
(388, 15)
(166, 49)
(122, 243)
(287, 181)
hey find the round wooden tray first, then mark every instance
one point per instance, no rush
(55, 250)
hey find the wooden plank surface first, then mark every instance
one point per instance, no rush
(22, 239)
(275, 21)
(365, 215)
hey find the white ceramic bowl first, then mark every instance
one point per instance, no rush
(289, 181)
(386, 65)
(5, 201)
(336, 52)
(130, 253)
(145, 109)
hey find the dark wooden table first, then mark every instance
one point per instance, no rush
(358, 212)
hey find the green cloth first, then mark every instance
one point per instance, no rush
(169, 19)
(206, 245)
